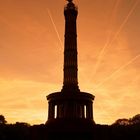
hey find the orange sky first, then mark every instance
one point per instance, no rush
(31, 57)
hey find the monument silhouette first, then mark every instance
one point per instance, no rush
(70, 110)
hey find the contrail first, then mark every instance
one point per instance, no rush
(77, 2)
(124, 22)
(118, 70)
(49, 13)
(107, 45)
(108, 39)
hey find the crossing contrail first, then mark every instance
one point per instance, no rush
(124, 22)
(108, 44)
(108, 38)
(118, 70)
(77, 2)
(49, 13)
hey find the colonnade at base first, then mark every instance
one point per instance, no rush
(70, 107)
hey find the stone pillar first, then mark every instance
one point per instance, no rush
(75, 110)
(81, 111)
(65, 113)
(51, 111)
(60, 111)
(89, 111)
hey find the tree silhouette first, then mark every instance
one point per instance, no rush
(122, 129)
(122, 122)
(132, 121)
(2, 120)
(135, 119)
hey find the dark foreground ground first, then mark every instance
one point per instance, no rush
(69, 130)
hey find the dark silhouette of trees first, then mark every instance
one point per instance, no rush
(14, 132)
(2, 120)
(131, 121)
(122, 129)
(135, 119)
(122, 122)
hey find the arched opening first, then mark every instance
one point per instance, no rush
(85, 111)
(55, 111)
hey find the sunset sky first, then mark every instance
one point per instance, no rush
(31, 57)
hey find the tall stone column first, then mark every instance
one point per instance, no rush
(70, 81)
